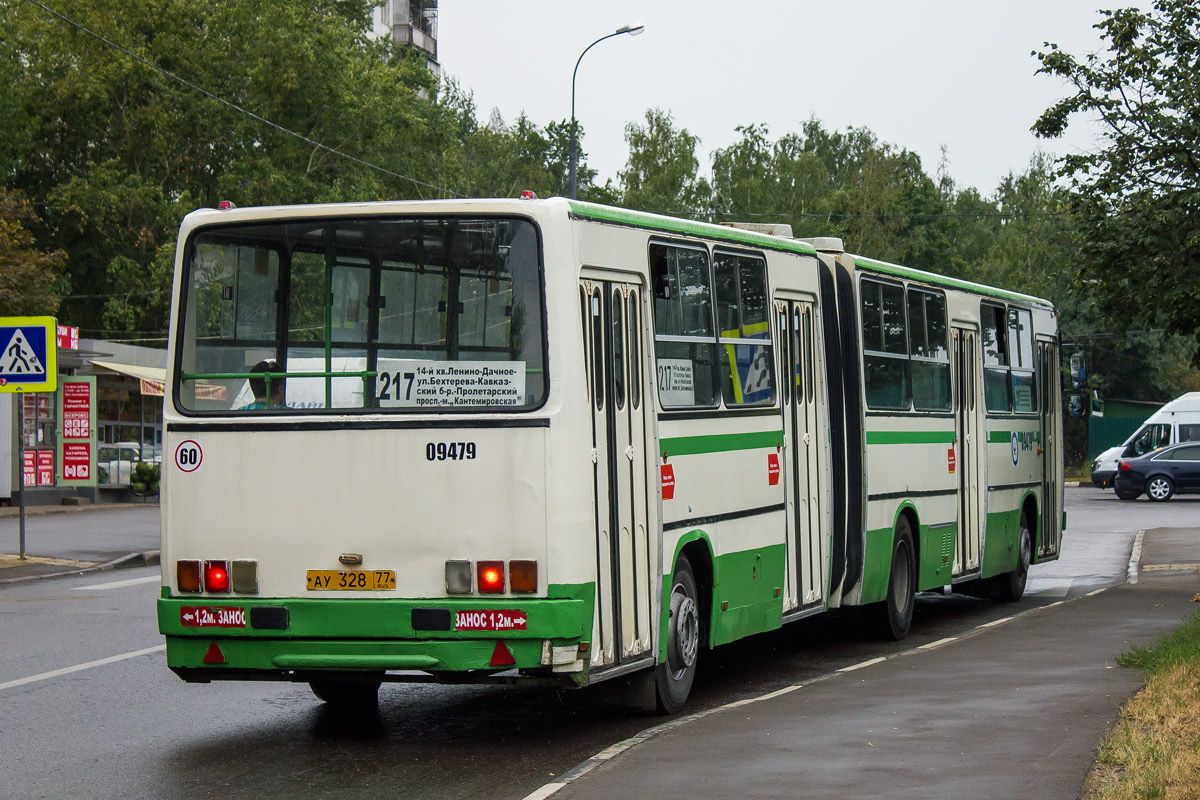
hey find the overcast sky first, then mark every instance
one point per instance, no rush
(919, 74)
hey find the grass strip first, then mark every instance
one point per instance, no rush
(1153, 752)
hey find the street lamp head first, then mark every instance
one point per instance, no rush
(633, 30)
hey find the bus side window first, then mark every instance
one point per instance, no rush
(684, 338)
(928, 350)
(995, 358)
(633, 323)
(885, 345)
(598, 349)
(583, 316)
(747, 363)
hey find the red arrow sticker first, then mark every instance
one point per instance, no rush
(490, 621)
(668, 482)
(212, 617)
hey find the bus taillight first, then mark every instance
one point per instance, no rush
(216, 576)
(491, 576)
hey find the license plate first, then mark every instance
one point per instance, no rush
(212, 617)
(489, 621)
(351, 580)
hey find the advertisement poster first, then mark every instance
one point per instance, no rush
(77, 431)
(45, 468)
(29, 468)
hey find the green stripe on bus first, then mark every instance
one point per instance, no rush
(720, 443)
(954, 283)
(641, 219)
(910, 437)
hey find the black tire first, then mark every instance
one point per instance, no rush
(1127, 494)
(673, 678)
(344, 694)
(894, 615)
(1010, 586)
(1159, 488)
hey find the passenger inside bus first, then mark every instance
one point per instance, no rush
(259, 387)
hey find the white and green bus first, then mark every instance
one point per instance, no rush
(548, 442)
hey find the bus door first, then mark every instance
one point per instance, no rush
(1050, 445)
(800, 381)
(616, 364)
(970, 450)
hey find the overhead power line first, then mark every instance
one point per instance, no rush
(238, 108)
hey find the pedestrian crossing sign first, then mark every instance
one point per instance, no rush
(29, 358)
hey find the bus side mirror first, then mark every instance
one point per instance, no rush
(1078, 370)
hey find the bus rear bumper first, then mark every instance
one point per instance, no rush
(292, 639)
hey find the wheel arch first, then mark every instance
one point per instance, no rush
(1029, 509)
(908, 510)
(697, 546)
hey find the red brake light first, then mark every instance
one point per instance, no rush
(1123, 467)
(225, 205)
(490, 575)
(216, 576)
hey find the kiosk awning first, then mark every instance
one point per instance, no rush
(151, 378)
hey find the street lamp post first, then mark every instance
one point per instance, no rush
(632, 30)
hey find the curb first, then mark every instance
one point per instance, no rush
(13, 512)
(147, 558)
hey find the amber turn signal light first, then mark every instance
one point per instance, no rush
(187, 576)
(522, 576)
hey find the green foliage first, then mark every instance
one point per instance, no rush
(661, 173)
(1177, 646)
(114, 153)
(1136, 200)
(30, 279)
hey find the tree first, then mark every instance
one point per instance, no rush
(113, 153)
(661, 172)
(1136, 200)
(30, 279)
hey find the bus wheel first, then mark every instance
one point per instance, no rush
(673, 678)
(894, 615)
(1011, 585)
(347, 694)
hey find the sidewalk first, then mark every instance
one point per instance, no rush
(70, 540)
(1009, 710)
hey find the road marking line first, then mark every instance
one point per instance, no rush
(79, 667)
(117, 584)
(862, 664)
(938, 643)
(1000, 621)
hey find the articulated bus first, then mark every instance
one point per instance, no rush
(554, 443)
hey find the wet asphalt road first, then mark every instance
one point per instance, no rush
(130, 728)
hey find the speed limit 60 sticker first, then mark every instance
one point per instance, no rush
(189, 455)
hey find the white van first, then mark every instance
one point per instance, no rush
(1177, 421)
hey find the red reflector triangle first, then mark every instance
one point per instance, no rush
(500, 656)
(214, 655)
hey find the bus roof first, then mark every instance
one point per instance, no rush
(685, 227)
(871, 265)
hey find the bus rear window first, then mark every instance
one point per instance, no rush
(371, 314)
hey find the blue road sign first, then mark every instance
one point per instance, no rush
(29, 358)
